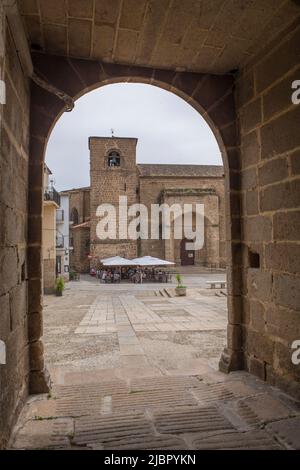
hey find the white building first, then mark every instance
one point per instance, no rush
(62, 238)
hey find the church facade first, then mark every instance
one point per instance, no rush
(114, 173)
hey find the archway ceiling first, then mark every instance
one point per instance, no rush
(213, 36)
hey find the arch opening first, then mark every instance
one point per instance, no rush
(218, 130)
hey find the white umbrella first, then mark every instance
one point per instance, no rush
(117, 261)
(151, 261)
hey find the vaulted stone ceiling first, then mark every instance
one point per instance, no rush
(196, 35)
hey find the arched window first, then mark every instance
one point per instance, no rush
(74, 216)
(114, 159)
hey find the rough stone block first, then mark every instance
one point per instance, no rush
(78, 9)
(35, 299)
(295, 162)
(39, 382)
(287, 225)
(278, 63)
(251, 115)
(257, 229)
(278, 98)
(4, 317)
(273, 171)
(248, 178)
(287, 290)
(283, 257)
(35, 262)
(283, 360)
(281, 134)
(257, 315)
(9, 269)
(251, 203)
(258, 344)
(250, 151)
(36, 354)
(257, 367)
(280, 196)
(259, 284)
(18, 305)
(283, 323)
(234, 337)
(245, 88)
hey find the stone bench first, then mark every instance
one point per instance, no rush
(214, 284)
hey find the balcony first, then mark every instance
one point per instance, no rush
(60, 216)
(60, 241)
(50, 194)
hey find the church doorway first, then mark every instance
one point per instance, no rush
(187, 257)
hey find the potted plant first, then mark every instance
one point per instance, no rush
(59, 286)
(180, 289)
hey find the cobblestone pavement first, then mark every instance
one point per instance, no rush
(135, 368)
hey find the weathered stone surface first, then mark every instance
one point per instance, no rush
(39, 381)
(257, 229)
(273, 171)
(5, 324)
(283, 257)
(295, 162)
(259, 284)
(284, 195)
(251, 115)
(287, 290)
(287, 225)
(271, 68)
(281, 135)
(255, 440)
(283, 323)
(286, 432)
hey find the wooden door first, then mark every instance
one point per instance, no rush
(187, 256)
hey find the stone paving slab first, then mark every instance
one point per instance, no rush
(190, 420)
(287, 432)
(144, 403)
(148, 442)
(41, 434)
(111, 428)
(212, 393)
(161, 413)
(164, 383)
(252, 440)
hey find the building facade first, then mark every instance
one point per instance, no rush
(79, 228)
(114, 173)
(50, 205)
(63, 238)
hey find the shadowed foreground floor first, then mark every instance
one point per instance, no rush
(135, 368)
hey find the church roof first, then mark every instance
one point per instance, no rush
(209, 171)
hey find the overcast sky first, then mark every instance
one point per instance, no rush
(168, 130)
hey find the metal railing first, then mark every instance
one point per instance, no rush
(50, 194)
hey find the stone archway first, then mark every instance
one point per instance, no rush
(211, 95)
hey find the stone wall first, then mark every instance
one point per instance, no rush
(107, 184)
(79, 199)
(14, 135)
(49, 276)
(150, 190)
(270, 210)
(79, 261)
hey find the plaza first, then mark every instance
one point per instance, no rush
(135, 367)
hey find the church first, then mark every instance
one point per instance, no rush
(114, 172)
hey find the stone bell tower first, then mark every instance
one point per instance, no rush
(113, 173)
